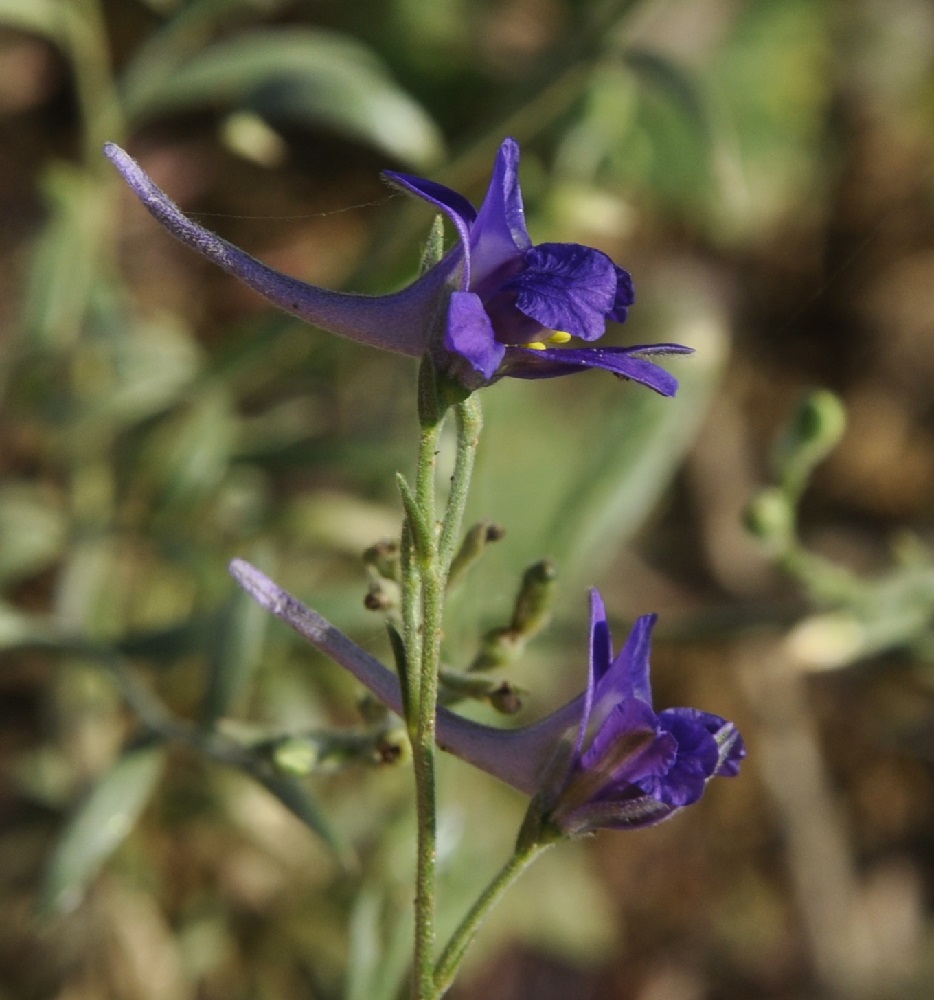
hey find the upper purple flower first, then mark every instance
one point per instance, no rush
(516, 301)
(495, 305)
(605, 759)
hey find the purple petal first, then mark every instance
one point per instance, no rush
(470, 334)
(457, 208)
(731, 748)
(450, 202)
(400, 322)
(601, 651)
(628, 677)
(731, 753)
(629, 746)
(616, 814)
(695, 763)
(623, 362)
(568, 287)
(625, 296)
(499, 233)
(601, 643)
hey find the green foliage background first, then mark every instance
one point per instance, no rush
(763, 167)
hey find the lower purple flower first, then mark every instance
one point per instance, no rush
(628, 766)
(605, 759)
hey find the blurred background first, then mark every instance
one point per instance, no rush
(764, 170)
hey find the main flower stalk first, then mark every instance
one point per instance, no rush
(428, 549)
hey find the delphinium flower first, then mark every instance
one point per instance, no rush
(628, 766)
(605, 759)
(495, 305)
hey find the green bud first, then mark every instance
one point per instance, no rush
(502, 695)
(383, 559)
(382, 595)
(499, 647)
(296, 756)
(472, 547)
(506, 699)
(392, 746)
(770, 517)
(532, 610)
(814, 431)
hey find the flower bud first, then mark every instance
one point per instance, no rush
(814, 431)
(472, 547)
(533, 604)
(383, 558)
(770, 517)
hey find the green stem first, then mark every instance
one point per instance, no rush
(456, 948)
(424, 576)
(423, 758)
(423, 607)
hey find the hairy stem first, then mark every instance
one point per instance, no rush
(453, 954)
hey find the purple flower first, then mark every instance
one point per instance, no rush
(495, 305)
(628, 766)
(604, 759)
(515, 301)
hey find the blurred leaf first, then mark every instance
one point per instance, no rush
(235, 648)
(189, 30)
(19, 629)
(306, 77)
(379, 954)
(635, 451)
(32, 529)
(672, 121)
(100, 824)
(152, 362)
(772, 85)
(674, 81)
(64, 266)
(580, 504)
(298, 800)
(190, 454)
(165, 645)
(91, 597)
(38, 17)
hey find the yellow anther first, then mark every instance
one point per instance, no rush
(559, 337)
(536, 345)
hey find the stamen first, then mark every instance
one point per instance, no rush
(536, 345)
(559, 337)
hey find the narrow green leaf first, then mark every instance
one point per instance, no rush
(402, 666)
(32, 529)
(62, 273)
(305, 77)
(298, 800)
(100, 824)
(235, 648)
(421, 532)
(38, 17)
(19, 629)
(379, 950)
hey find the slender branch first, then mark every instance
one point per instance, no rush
(460, 940)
